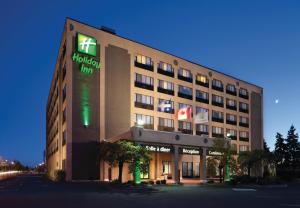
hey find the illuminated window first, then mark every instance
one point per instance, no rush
(165, 66)
(230, 102)
(146, 119)
(166, 122)
(166, 167)
(202, 78)
(145, 99)
(244, 134)
(166, 85)
(144, 60)
(217, 130)
(244, 148)
(185, 73)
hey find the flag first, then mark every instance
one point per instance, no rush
(201, 117)
(183, 113)
(165, 106)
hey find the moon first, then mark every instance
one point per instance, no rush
(277, 101)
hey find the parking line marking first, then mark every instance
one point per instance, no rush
(243, 189)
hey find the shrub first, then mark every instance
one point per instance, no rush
(151, 182)
(163, 181)
(60, 175)
(158, 182)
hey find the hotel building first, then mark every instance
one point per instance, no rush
(106, 88)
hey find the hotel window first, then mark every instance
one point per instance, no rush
(244, 148)
(202, 96)
(185, 92)
(217, 85)
(232, 133)
(244, 121)
(217, 100)
(244, 136)
(165, 85)
(217, 116)
(166, 106)
(230, 104)
(243, 93)
(182, 105)
(202, 80)
(143, 101)
(166, 167)
(144, 60)
(185, 75)
(202, 129)
(146, 119)
(200, 110)
(143, 81)
(230, 89)
(185, 127)
(166, 122)
(244, 107)
(165, 66)
(231, 119)
(217, 131)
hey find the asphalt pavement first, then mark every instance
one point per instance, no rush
(36, 191)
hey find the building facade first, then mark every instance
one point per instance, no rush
(106, 87)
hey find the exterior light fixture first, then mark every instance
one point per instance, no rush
(140, 123)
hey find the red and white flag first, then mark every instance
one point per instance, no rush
(183, 113)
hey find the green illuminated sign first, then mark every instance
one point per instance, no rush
(86, 44)
(86, 47)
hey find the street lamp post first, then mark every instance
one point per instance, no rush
(228, 156)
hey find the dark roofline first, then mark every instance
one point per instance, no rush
(165, 53)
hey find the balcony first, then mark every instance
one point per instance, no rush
(217, 135)
(165, 91)
(218, 88)
(231, 122)
(244, 96)
(202, 100)
(164, 72)
(204, 84)
(217, 104)
(215, 119)
(201, 133)
(143, 66)
(231, 92)
(243, 124)
(165, 128)
(185, 131)
(187, 79)
(186, 96)
(231, 107)
(244, 110)
(143, 85)
(148, 126)
(143, 105)
(233, 137)
(244, 139)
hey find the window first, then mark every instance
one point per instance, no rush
(185, 90)
(166, 167)
(244, 120)
(165, 85)
(244, 148)
(217, 85)
(217, 114)
(144, 60)
(202, 78)
(182, 105)
(231, 133)
(202, 96)
(231, 117)
(165, 66)
(166, 106)
(230, 89)
(166, 122)
(185, 73)
(217, 130)
(217, 100)
(244, 136)
(243, 93)
(185, 125)
(202, 129)
(147, 120)
(144, 99)
(230, 102)
(244, 107)
(143, 79)
(200, 110)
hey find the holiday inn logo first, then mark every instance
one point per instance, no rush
(86, 44)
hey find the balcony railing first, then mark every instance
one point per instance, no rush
(171, 111)
(231, 92)
(244, 110)
(231, 107)
(165, 91)
(143, 105)
(164, 72)
(143, 66)
(231, 122)
(221, 89)
(217, 135)
(186, 96)
(143, 85)
(202, 100)
(215, 119)
(185, 131)
(165, 128)
(204, 84)
(233, 137)
(243, 124)
(217, 104)
(244, 96)
(201, 133)
(187, 79)
(244, 139)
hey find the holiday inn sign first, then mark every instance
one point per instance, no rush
(86, 50)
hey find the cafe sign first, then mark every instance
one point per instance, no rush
(155, 148)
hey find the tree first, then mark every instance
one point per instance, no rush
(124, 152)
(292, 149)
(280, 150)
(249, 159)
(266, 148)
(211, 167)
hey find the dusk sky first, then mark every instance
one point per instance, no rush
(256, 41)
